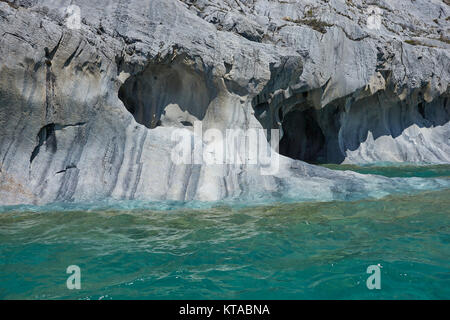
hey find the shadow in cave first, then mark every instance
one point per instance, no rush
(324, 135)
(303, 138)
(148, 95)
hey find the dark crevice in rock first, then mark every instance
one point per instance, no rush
(45, 136)
(186, 123)
(421, 110)
(72, 166)
(228, 67)
(70, 58)
(51, 54)
(50, 81)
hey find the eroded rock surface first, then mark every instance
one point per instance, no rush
(87, 113)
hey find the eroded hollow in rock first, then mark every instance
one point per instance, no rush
(303, 138)
(168, 94)
(329, 134)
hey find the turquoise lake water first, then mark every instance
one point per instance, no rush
(304, 250)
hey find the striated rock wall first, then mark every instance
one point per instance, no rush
(87, 111)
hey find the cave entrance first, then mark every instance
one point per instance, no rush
(168, 94)
(303, 138)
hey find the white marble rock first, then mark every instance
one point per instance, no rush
(351, 81)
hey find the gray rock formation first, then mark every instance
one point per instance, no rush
(88, 109)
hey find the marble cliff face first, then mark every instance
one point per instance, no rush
(87, 107)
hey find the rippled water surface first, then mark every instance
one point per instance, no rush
(278, 251)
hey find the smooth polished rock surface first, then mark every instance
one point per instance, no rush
(88, 113)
